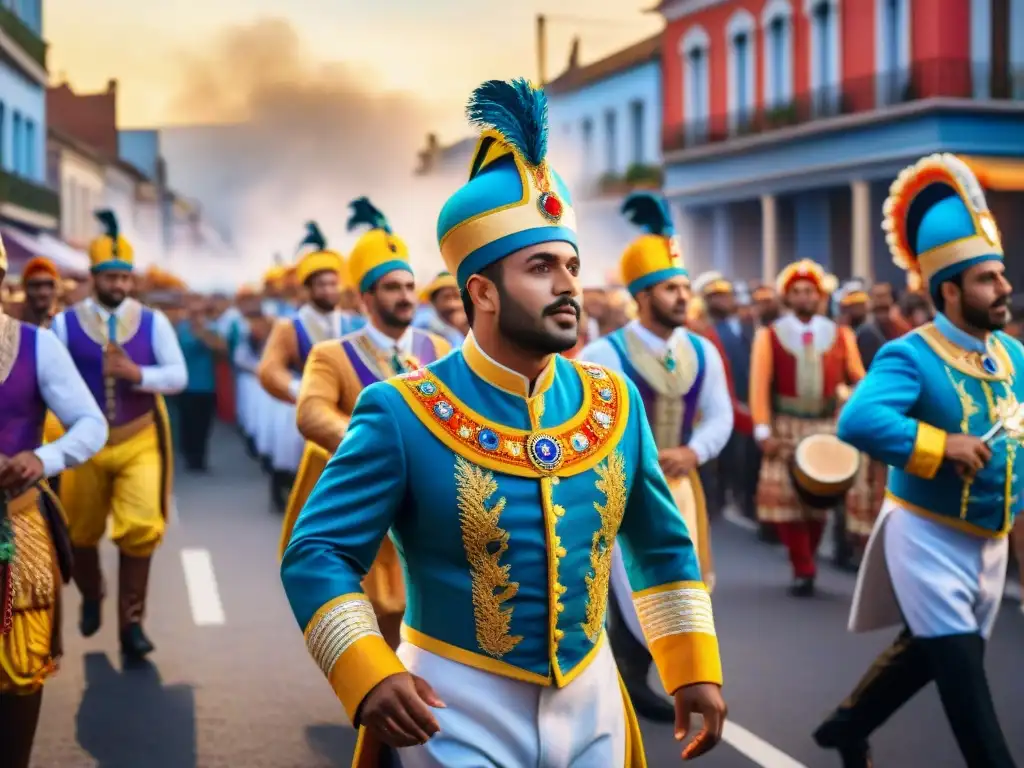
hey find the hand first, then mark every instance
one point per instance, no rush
(967, 452)
(117, 364)
(678, 462)
(20, 471)
(704, 699)
(770, 447)
(397, 710)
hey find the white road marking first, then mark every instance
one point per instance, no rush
(755, 748)
(734, 516)
(751, 746)
(203, 595)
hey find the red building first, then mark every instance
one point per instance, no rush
(785, 120)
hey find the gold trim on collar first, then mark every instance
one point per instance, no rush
(10, 345)
(95, 326)
(579, 443)
(499, 376)
(967, 361)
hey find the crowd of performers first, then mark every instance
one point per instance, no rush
(500, 482)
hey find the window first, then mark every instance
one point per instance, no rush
(694, 49)
(742, 75)
(30, 149)
(892, 46)
(588, 141)
(636, 115)
(611, 143)
(825, 55)
(18, 141)
(777, 22)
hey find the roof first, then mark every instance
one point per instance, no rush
(89, 153)
(575, 78)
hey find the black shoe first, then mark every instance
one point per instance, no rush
(134, 643)
(90, 618)
(852, 755)
(802, 588)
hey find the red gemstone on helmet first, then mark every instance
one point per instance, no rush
(553, 206)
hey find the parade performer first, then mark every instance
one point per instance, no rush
(684, 390)
(337, 373)
(319, 271)
(129, 356)
(801, 367)
(504, 660)
(40, 278)
(37, 375)
(940, 406)
(442, 313)
(854, 303)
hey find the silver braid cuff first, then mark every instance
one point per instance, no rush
(339, 629)
(675, 612)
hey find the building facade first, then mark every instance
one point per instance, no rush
(25, 199)
(606, 119)
(785, 121)
(79, 172)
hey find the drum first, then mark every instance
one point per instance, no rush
(823, 469)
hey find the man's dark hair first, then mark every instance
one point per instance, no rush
(940, 303)
(492, 272)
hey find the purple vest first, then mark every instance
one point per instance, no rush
(422, 349)
(647, 393)
(305, 343)
(129, 403)
(22, 409)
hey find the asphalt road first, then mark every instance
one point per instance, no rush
(231, 685)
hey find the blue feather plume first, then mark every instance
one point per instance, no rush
(650, 212)
(365, 212)
(314, 237)
(107, 218)
(516, 110)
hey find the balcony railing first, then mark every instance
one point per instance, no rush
(28, 194)
(925, 80)
(23, 35)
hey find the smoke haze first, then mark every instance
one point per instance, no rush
(277, 139)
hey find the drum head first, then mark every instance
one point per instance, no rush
(826, 459)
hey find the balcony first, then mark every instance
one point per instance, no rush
(23, 36)
(20, 192)
(925, 80)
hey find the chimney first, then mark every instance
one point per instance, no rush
(112, 85)
(542, 49)
(574, 54)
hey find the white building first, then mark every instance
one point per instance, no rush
(80, 174)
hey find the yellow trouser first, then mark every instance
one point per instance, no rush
(26, 652)
(52, 428)
(125, 481)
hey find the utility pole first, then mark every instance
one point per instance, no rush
(542, 49)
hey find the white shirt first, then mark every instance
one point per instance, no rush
(66, 394)
(169, 376)
(403, 343)
(244, 358)
(712, 431)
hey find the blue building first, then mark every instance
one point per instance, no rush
(26, 202)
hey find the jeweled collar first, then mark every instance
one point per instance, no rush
(503, 378)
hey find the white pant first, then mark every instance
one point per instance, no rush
(623, 594)
(496, 722)
(947, 582)
(286, 451)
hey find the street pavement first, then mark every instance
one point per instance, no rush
(231, 685)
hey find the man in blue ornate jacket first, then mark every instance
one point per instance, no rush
(503, 472)
(940, 406)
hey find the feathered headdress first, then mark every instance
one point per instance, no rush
(378, 251)
(807, 270)
(314, 237)
(512, 196)
(110, 251)
(937, 221)
(657, 255)
(317, 257)
(366, 213)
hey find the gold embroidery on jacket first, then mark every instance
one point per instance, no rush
(611, 481)
(968, 409)
(10, 344)
(32, 578)
(485, 543)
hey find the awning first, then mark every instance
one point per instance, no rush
(68, 260)
(21, 246)
(1005, 174)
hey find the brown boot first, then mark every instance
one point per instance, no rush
(19, 716)
(133, 581)
(89, 578)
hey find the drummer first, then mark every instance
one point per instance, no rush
(801, 364)
(682, 381)
(941, 408)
